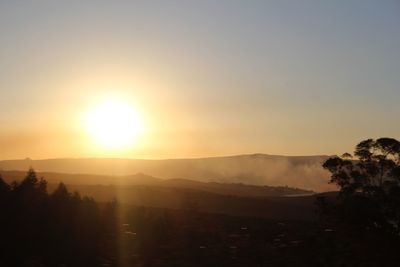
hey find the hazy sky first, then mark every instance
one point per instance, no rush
(208, 77)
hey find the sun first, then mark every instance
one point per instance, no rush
(113, 124)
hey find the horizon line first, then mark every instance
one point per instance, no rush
(162, 159)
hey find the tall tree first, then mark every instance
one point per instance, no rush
(369, 184)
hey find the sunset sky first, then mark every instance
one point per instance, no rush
(205, 78)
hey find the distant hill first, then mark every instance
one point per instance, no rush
(256, 169)
(84, 179)
(144, 181)
(279, 203)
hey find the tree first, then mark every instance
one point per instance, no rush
(369, 185)
(4, 187)
(61, 193)
(30, 181)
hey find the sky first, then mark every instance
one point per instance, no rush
(207, 78)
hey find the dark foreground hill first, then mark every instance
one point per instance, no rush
(278, 208)
(60, 228)
(257, 169)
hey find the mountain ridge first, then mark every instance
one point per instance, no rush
(254, 169)
(141, 179)
(165, 159)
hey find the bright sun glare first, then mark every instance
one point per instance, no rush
(114, 124)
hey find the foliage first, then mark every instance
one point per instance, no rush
(369, 183)
(42, 229)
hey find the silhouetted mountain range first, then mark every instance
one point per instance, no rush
(211, 197)
(142, 180)
(256, 169)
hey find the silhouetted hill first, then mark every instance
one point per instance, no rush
(145, 180)
(278, 208)
(257, 169)
(211, 197)
(235, 188)
(84, 179)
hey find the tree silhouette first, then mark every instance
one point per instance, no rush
(369, 185)
(61, 193)
(42, 229)
(4, 187)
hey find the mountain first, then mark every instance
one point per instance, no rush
(256, 169)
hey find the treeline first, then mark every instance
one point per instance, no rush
(57, 229)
